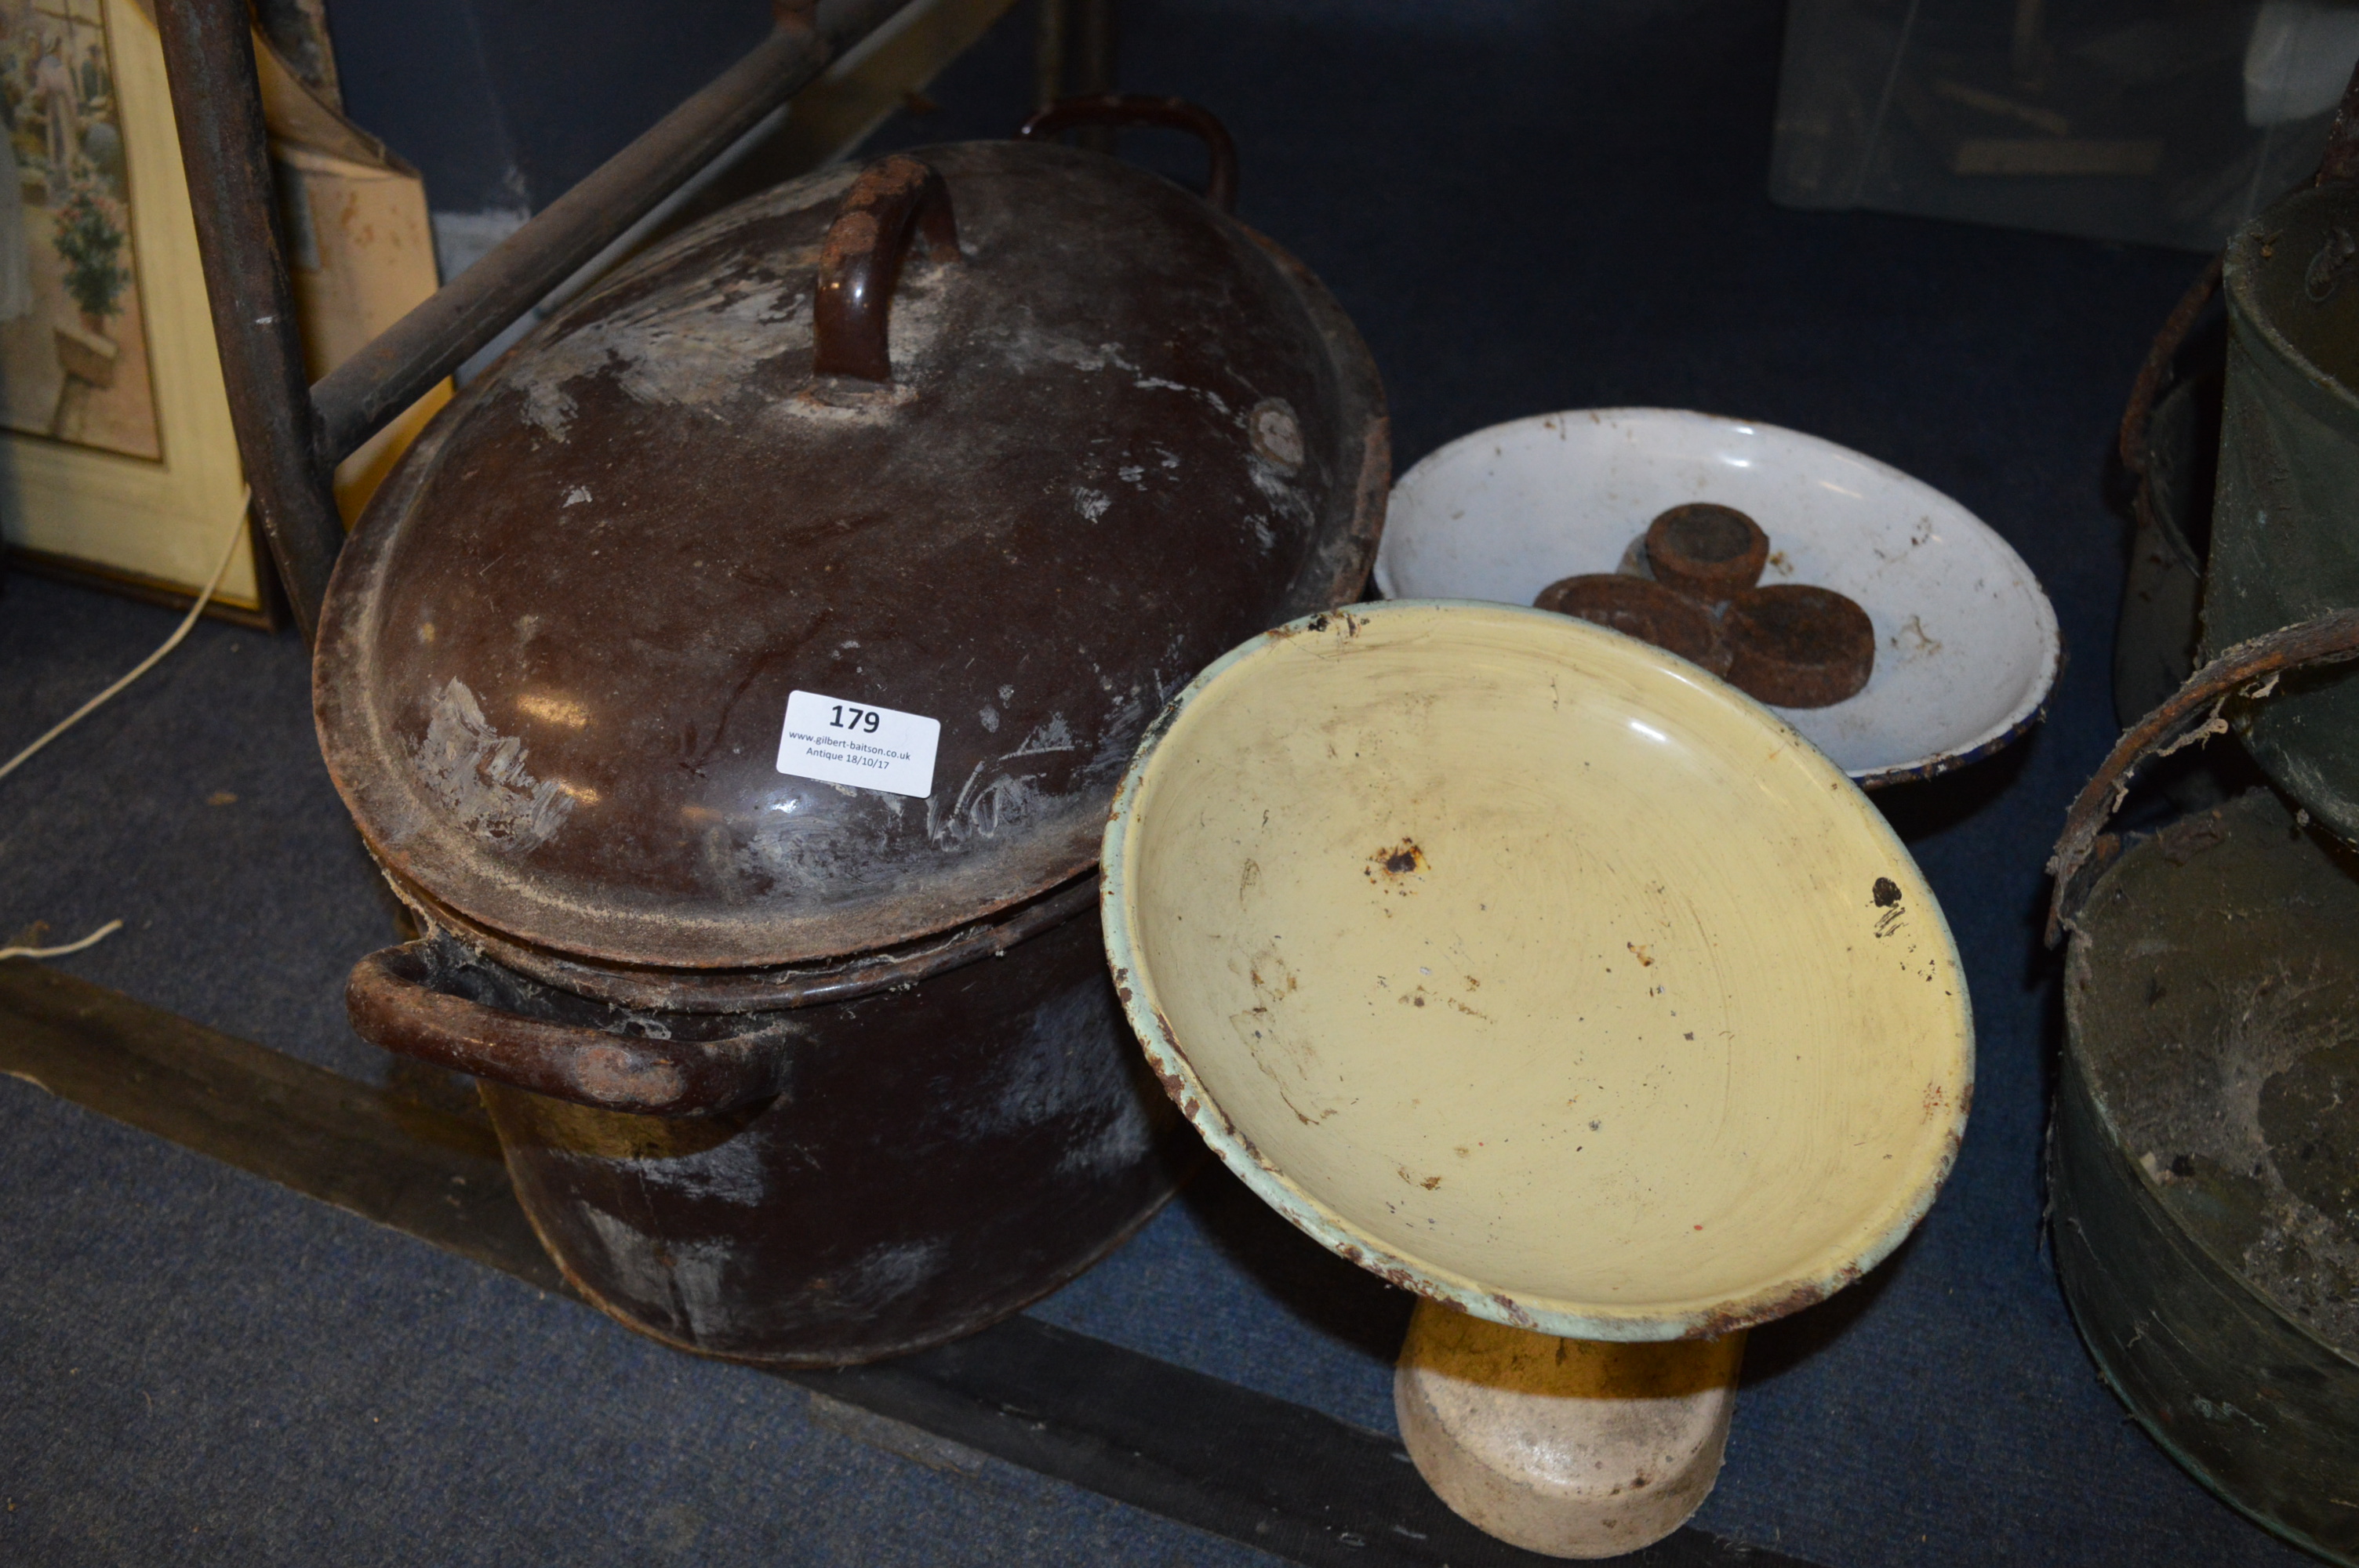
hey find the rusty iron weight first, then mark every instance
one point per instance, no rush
(1647, 610)
(1711, 551)
(1794, 645)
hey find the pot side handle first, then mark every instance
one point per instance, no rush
(2153, 375)
(1138, 109)
(2189, 714)
(393, 1004)
(892, 202)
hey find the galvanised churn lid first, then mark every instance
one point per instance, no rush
(1059, 434)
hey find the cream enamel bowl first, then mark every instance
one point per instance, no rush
(1536, 971)
(1966, 645)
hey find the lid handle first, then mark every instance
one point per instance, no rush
(2250, 669)
(1137, 109)
(889, 205)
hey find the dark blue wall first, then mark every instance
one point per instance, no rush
(505, 104)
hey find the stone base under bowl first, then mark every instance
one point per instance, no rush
(1569, 1447)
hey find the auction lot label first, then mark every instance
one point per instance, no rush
(838, 741)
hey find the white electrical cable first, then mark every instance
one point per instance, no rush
(229, 550)
(109, 929)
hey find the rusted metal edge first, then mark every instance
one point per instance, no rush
(358, 398)
(762, 990)
(1945, 763)
(2147, 391)
(2083, 850)
(1273, 1474)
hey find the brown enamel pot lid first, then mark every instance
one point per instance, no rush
(1120, 433)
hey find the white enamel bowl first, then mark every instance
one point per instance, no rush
(1536, 971)
(1966, 645)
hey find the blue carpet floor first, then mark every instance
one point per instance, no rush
(1527, 206)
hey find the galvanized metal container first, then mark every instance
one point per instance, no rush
(2284, 541)
(998, 437)
(2203, 1161)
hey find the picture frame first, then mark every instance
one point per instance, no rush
(118, 458)
(133, 478)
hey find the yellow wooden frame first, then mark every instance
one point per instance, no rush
(157, 525)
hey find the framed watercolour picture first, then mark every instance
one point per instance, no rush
(118, 461)
(117, 458)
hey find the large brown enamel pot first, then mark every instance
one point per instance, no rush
(1005, 436)
(912, 1165)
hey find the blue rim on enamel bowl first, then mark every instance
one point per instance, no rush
(1657, 456)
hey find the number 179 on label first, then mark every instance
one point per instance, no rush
(858, 744)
